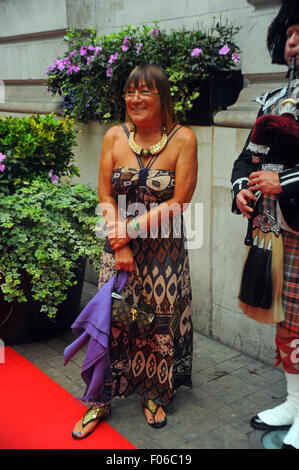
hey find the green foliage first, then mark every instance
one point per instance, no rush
(45, 229)
(34, 146)
(92, 73)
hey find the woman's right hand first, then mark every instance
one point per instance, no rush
(243, 199)
(124, 259)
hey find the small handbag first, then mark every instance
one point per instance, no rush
(135, 319)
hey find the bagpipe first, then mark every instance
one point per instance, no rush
(274, 139)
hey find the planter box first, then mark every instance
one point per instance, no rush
(23, 322)
(215, 95)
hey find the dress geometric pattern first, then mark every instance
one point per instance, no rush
(156, 366)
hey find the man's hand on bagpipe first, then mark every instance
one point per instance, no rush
(243, 200)
(267, 182)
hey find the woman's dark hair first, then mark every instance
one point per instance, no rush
(154, 75)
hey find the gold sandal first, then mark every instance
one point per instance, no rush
(92, 414)
(153, 408)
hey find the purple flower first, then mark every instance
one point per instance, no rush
(113, 58)
(73, 52)
(90, 48)
(224, 50)
(126, 43)
(54, 178)
(70, 70)
(51, 67)
(2, 157)
(139, 47)
(154, 32)
(60, 64)
(196, 52)
(97, 50)
(109, 71)
(90, 59)
(235, 57)
(83, 51)
(73, 68)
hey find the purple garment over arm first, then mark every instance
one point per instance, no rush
(93, 325)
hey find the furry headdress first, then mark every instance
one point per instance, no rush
(287, 16)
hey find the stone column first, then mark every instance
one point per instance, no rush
(259, 73)
(31, 36)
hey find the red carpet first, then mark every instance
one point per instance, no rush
(36, 413)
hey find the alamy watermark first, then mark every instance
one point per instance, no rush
(175, 221)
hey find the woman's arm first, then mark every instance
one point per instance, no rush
(123, 257)
(107, 201)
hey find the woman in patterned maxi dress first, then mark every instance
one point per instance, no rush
(156, 256)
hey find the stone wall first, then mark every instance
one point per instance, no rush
(31, 36)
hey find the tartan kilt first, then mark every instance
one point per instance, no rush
(290, 289)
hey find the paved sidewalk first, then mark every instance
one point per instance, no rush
(228, 388)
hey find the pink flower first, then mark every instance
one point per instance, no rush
(54, 179)
(73, 68)
(109, 71)
(126, 43)
(224, 50)
(60, 64)
(73, 52)
(154, 32)
(2, 167)
(2, 157)
(235, 57)
(113, 58)
(196, 52)
(139, 47)
(83, 51)
(97, 50)
(70, 70)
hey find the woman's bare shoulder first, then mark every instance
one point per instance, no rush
(186, 136)
(114, 132)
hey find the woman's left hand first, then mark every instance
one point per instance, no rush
(117, 234)
(267, 182)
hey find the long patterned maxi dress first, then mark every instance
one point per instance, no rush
(156, 366)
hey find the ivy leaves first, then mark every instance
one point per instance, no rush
(44, 230)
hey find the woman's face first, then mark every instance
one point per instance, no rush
(292, 45)
(143, 104)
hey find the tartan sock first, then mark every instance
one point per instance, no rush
(285, 413)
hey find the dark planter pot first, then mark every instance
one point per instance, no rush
(215, 95)
(23, 322)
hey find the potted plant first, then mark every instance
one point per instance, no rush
(47, 228)
(91, 74)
